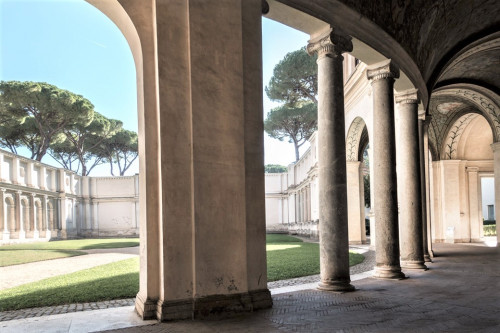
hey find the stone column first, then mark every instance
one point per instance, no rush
(382, 75)
(423, 189)
(33, 216)
(22, 232)
(333, 225)
(496, 168)
(45, 217)
(410, 196)
(3, 215)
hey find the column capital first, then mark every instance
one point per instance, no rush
(472, 169)
(329, 43)
(422, 115)
(2, 189)
(409, 96)
(495, 146)
(382, 70)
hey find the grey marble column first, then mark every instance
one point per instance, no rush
(410, 196)
(382, 75)
(421, 129)
(333, 232)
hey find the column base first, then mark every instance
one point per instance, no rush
(36, 234)
(342, 286)
(145, 308)
(214, 306)
(427, 258)
(22, 234)
(389, 273)
(6, 235)
(413, 264)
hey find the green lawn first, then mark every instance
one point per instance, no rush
(30, 252)
(287, 257)
(112, 281)
(76, 244)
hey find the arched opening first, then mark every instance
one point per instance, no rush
(357, 175)
(9, 215)
(460, 179)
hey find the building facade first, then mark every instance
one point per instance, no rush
(38, 202)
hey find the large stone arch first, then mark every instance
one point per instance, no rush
(136, 20)
(10, 213)
(371, 44)
(357, 139)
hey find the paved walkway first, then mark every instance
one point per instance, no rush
(16, 275)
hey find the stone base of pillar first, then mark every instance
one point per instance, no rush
(6, 235)
(36, 234)
(413, 264)
(48, 234)
(145, 308)
(389, 273)
(214, 306)
(261, 299)
(427, 258)
(22, 234)
(336, 286)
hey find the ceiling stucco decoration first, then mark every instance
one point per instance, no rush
(449, 151)
(480, 62)
(354, 139)
(450, 103)
(445, 108)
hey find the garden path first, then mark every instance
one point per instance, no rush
(16, 275)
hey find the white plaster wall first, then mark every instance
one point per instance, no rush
(487, 194)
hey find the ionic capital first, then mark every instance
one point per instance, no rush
(329, 43)
(382, 70)
(409, 96)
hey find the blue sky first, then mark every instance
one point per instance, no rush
(72, 45)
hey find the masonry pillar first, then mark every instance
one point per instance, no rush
(22, 232)
(3, 215)
(382, 75)
(372, 201)
(496, 168)
(45, 217)
(33, 216)
(209, 88)
(428, 202)
(355, 200)
(333, 225)
(423, 185)
(410, 196)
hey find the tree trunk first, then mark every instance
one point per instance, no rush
(296, 151)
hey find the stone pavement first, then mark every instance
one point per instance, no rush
(460, 293)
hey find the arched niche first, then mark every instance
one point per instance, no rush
(469, 138)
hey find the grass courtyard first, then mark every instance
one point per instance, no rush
(287, 257)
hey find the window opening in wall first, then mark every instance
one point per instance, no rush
(488, 206)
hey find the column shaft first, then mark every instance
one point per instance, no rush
(421, 130)
(384, 171)
(410, 196)
(333, 227)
